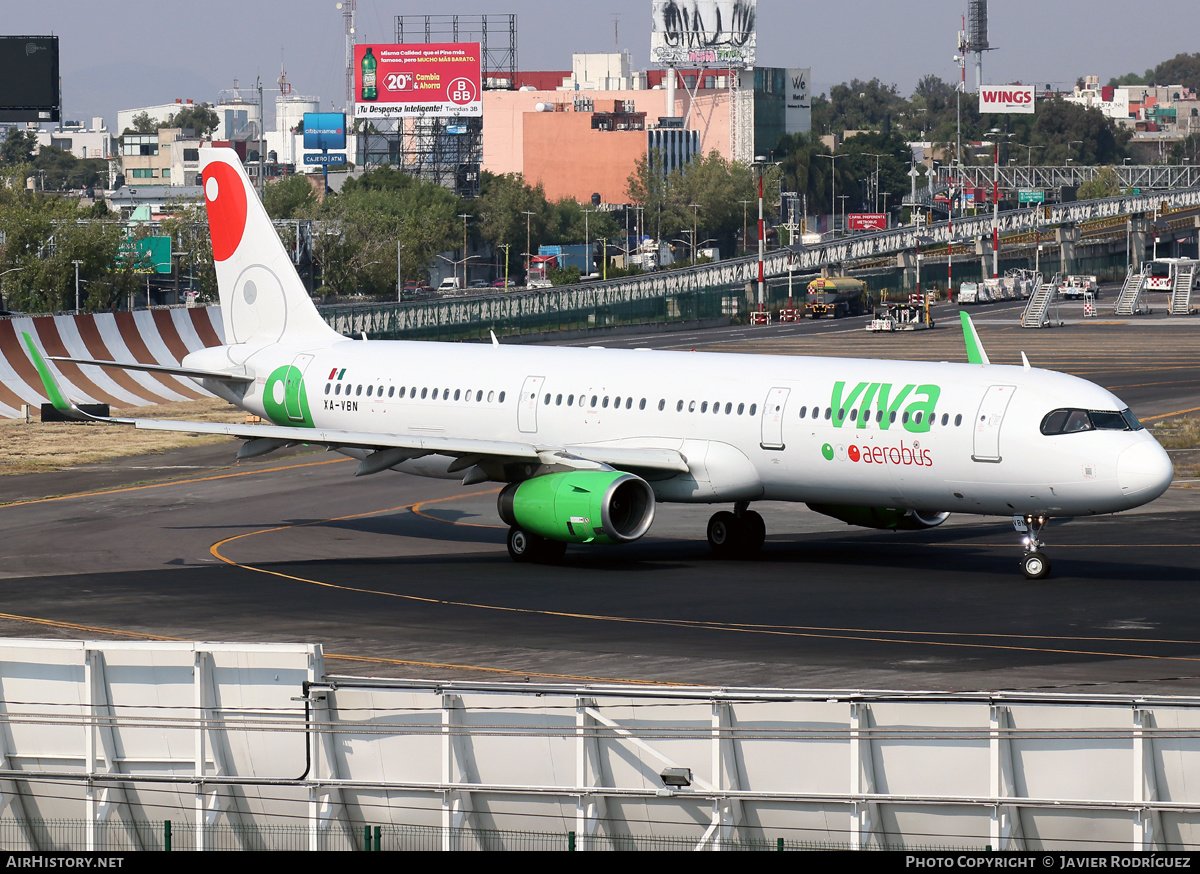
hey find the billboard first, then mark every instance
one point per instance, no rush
(324, 130)
(1007, 98)
(797, 107)
(866, 221)
(704, 33)
(29, 84)
(417, 80)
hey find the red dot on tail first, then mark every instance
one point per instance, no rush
(225, 198)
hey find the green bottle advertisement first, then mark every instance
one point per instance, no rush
(369, 91)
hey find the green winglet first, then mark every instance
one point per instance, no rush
(975, 353)
(49, 383)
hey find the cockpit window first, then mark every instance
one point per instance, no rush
(1072, 421)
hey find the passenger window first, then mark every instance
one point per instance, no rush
(401, 391)
(753, 407)
(570, 400)
(642, 404)
(547, 401)
(892, 417)
(629, 403)
(679, 407)
(917, 418)
(478, 396)
(662, 405)
(828, 413)
(491, 395)
(728, 409)
(391, 391)
(328, 387)
(879, 415)
(958, 420)
(446, 394)
(337, 389)
(605, 402)
(704, 407)
(357, 390)
(741, 407)
(854, 415)
(691, 406)
(423, 391)
(456, 394)
(558, 400)
(501, 398)
(945, 418)
(617, 402)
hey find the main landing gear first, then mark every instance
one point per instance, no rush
(739, 534)
(523, 546)
(1034, 564)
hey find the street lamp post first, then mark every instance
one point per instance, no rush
(759, 161)
(399, 273)
(464, 218)
(587, 239)
(528, 246)
(695, 226)
(76, 263)
(832, 193)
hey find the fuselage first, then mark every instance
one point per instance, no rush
(963, 438)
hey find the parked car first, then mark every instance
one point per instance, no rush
(450, 283)
(504, 283)
(479, 283)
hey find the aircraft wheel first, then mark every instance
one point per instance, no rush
(1035, 566)
(754, 532)
(723, 530)
(522, 546)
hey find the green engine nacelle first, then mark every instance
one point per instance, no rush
(882, 517)
(580, 506)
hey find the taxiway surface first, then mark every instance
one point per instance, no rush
(399, 576)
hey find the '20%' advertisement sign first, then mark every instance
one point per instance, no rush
(431, 80)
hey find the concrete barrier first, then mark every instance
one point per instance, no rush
(159, 336)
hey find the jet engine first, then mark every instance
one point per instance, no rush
(580, 506)
(882, 517)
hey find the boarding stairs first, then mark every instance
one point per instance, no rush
(1037, 310)
(1129, 303)
(1181, 290)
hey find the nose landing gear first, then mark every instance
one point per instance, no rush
(1034, 564)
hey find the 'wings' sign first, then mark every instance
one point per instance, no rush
(1006, 98)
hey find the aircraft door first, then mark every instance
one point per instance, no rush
(293, 385)
(528, 404)
(772, 418)
(988, 421)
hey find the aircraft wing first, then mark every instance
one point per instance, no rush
(395, 448)
(383, 450)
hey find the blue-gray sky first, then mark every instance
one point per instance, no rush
(118, 54)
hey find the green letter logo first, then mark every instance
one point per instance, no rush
(285, 399)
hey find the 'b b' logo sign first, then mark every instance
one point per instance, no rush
(461, 92)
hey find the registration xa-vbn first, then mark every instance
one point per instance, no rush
(588, 441)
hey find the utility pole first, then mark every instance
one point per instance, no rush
(399, 273)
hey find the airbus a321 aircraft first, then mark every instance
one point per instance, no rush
(587, 441)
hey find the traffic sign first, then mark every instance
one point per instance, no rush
(1031, 195)
(337, 158)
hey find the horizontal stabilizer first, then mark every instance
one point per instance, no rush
(190, 372)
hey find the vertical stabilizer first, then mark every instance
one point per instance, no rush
(262, 298)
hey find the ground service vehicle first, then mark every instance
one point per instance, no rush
(586, 442)
(837, 296)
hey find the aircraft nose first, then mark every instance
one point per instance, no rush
(1144, 471)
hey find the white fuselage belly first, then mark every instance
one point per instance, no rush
(993, 461)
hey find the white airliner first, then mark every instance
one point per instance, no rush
(588, 440)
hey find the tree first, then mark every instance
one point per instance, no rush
(199, 117)
(289, 196)
(142, 124)
(501, 206)
(1106, 183)
(356, 239)
(18, 147)
(63, 170)
(1183, 69)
